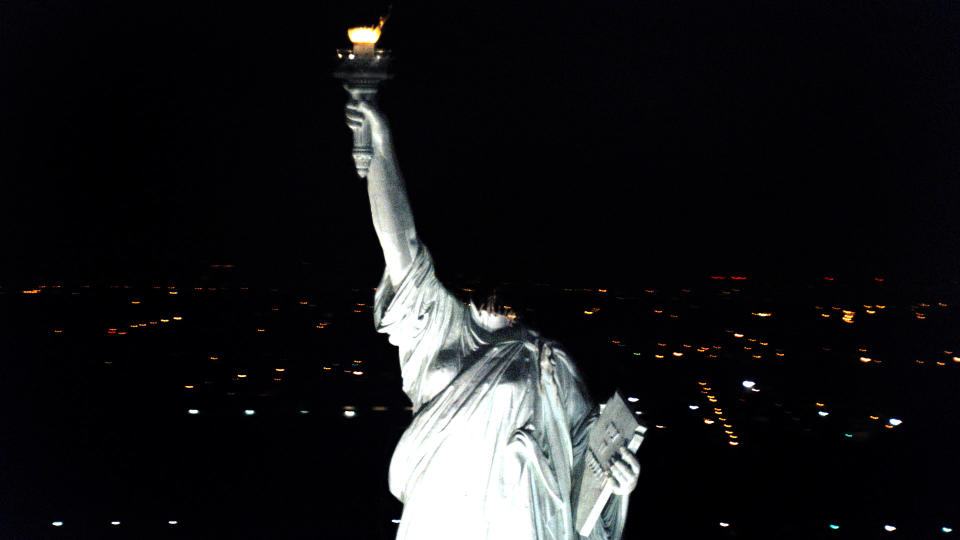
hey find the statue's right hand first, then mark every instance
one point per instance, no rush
(363, 112)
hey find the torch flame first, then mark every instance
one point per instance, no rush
(367, 34)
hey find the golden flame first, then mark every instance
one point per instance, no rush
(363, 34)
(366, 34)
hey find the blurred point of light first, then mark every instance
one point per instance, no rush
(848, 435)
(172, 522)
(114, 522)
(748, 384)
(248, 412)
(822, 413)
(694, 407)
(724, 524)
(734, 443)
(895, 421)
(889, 528)
(834, 527)
(358, 373)
(632, 399)
(394, 520)
(304, 412)
(57, 524)
(349, 414)
(946, 530)
(193, 411)
(738, 335)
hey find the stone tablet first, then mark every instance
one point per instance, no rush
(616, 427)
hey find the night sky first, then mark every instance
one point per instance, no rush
(576, 141)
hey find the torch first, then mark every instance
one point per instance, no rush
(362, 69)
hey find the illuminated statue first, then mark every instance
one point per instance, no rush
(496, 446)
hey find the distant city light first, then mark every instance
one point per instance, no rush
(895, 421)
(193, 411)
(394, 520)
(249, 412)
(349, 414)
(823, 413)
(748, 384)
(694, 407)
(889, 528)
(172, 522)
(114, 522)
(304, 411)
(57, 524)
(632, 399)
(724, 524)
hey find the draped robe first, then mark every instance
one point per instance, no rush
(500, 419)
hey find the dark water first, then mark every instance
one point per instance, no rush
(96, 425)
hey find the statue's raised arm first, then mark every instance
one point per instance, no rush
(389, 206)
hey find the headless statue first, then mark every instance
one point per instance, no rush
(495, 449)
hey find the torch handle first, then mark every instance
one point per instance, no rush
(362, 138)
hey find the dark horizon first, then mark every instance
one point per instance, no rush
(538, 142)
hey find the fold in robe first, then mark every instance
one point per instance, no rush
(500, 419)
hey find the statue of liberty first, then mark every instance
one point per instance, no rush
(495, 449)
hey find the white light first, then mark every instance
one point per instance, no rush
(694, 407)
(889, 528)
(632, 399)
(172, 522)
(724, 524)
(895, 421)
(754, 389)
(193, 411)
(304, 412)
(349, 414)
(57, 524)
(946, 530)
(114, 522)
(394, 521)
(748, 384)
(249, 412)
(822, 413)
